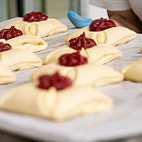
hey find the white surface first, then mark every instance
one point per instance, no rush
(125, 119)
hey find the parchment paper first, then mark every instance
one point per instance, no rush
(125, 118)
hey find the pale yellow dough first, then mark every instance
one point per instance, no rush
(114, 36)
(100, 54)
(133, 71)
(89, 74)
(18, 59)
(57, 105)
(45, 28)
(30, 43)
(6, 75)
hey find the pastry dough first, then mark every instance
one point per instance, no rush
(45, 28)
(18, 59)
(100, 54)
(30, 43)
(114, 36)
(89, 74)
(6, 75)
(57, 105)
(133, 71)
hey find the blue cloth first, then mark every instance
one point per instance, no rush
(78, 21)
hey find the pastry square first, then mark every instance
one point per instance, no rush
(57, 105)
(19, 59)
(44, 28)
(17, 40)
(89, 74)
(99, 54)
(6, 75)
(133, 71)
(114, 36)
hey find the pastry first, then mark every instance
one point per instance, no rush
(88, 74)
(32, 25)
(6, 75)
(55, 100)
(17, 40)
(133, 71)
(18, 59)
(99, 54)
(105, 31)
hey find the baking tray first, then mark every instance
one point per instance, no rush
(124, 120)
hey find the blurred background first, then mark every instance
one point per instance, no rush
(53, 8)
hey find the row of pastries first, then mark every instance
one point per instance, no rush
(64, 86)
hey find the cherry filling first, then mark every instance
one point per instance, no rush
(35, 17)
(55, 80)
(101, 24)
(73, 59)
(10, 33)
(4, 47)
(81, 41)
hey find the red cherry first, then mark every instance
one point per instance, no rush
(35, 17)
(81, 42)
(101, 24)
(55, 80)
(73, 59)
(4, 47)
(10, 33)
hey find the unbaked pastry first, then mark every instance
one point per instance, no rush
(89, 74)
(6, 75)
(19, 59)
(30, 43)
(44, 28)
(53, 104)
(133, 71)
(114, 36)
(100, 54)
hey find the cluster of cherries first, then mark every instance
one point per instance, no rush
(4, 47)
(35, 17)
(73, 59)
(55, 80)
(10, 33)
(81, 42)
(101, 24)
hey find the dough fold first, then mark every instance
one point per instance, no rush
(100, 54)
(133, 71)
(30, 43)
(6, 75)
(56, 105)
(18, 59)
(89, 74)
(114, 36)
(45, 28)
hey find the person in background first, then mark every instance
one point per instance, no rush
(126, 13)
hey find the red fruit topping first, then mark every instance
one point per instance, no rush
(101, 24)
(73, 59)
(35, 17)
(81, 42)
(4, 47)
(10, 33)
(55, 80)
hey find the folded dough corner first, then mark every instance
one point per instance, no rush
(53, 104)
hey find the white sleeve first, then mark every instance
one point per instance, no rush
(137, 7)
(112, 5)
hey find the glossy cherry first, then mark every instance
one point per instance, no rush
(81, 42)
(73, 59)
(4, 47)
(10, 33)
(35, 17)
(101, 24)
(55, 80)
